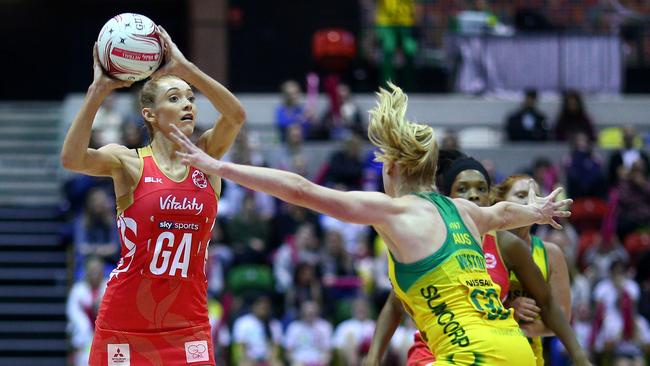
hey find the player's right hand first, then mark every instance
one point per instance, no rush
(101, 79)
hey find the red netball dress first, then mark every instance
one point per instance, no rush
(419, 353)
(154, 311)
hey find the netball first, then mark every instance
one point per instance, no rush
(129, 48)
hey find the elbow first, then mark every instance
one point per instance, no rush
(300, 191)
(68, 162)
(238, 116)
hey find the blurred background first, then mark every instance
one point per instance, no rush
(559, 89)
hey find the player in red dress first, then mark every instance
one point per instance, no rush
(154, 311)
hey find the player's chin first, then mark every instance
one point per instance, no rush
(187, 127)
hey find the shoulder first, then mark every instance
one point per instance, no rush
(553, 251)
(513, 249)
(556, 260)
(118, 149)
(466, 207)
(119, 152)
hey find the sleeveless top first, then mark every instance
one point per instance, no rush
(165, 228)
(495, 265)
(449, 294)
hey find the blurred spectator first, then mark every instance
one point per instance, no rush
(95, 232)
(642, 277)
(354, 236)
(618, 329)
(298, 248)
(249, 225)
(527, 123)
(292, 111)
(583, 169)
(81, 309)
(531, 19)
(306, 287)
(496, 176)
(307, 340)
(220, 258)
(394, 22)
(633, 200)
(76, 188)
(372, 179)
(292, 147)
(257, 337)
(345, 166)
(621, 161)
(545, 174)
(343, 116)
(402, 340)
(449, 141)
(340, 277)
(603, 253)
(573, 118)
(132, 135)
(108, 122)
(287, 221)
(566, 238)
(352, 337)
(336, 261)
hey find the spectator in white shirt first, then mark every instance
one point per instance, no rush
(352, 337)
(257, 336)
(81, 309)
(307, 340)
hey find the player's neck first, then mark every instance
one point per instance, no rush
(406, 189)
(165, 150)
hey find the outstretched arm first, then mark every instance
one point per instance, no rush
(76, 155)
(389, 319)
(366, 208)
(509, 215)
(217, 140)
(517, 255)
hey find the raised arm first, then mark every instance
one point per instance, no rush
(217, 140)
(366, 208)
(517, 256)
(510, 215)
(76, 155)
(389, 319)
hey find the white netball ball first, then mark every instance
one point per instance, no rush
(129, 48)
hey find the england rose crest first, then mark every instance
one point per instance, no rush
(199, 179)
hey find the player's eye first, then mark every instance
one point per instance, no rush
(191, 99)
(173, 99)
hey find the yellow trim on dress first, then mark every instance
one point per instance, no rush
(126, 200)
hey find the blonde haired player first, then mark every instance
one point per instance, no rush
(436, 264)
(154, 311)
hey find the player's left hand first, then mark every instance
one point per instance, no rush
(175, 63)
(548, 207)
(526, 310)
(192, 155)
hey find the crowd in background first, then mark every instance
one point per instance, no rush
(288, 285)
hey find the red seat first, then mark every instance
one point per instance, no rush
(334, 48)
(588, 213)
(586, 240)
(637, 242)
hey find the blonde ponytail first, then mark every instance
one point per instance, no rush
(411, 145)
